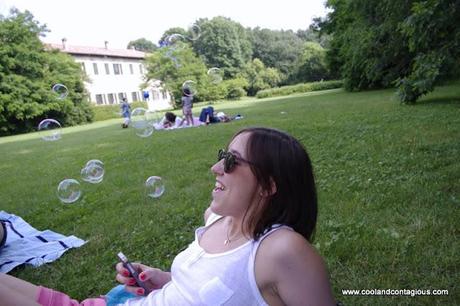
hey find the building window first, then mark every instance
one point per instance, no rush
(121, 95)
(141, 71)
(135, 96)
(83, 68)
(96, 71)
(100, 99)
(107, 69)
(131, 68)
(117, 69)
(111, 98)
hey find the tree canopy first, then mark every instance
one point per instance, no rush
(410, 44)
(223, 43)
(142, 44)
(27, 75)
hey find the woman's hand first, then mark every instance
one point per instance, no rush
(152, 277)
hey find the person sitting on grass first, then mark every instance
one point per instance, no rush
(170, 120)
(255, 247)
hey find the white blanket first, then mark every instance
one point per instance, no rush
(26, 245)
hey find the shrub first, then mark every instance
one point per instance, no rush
(299, 88)
(104, 112)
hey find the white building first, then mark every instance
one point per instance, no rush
(114, 74)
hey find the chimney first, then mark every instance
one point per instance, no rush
(63, 42)
(106, 44)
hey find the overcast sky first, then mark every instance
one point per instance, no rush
(91, 22)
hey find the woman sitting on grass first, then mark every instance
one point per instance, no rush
(254, 248)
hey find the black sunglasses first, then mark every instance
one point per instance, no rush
(230, 160)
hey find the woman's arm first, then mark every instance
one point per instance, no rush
(296, 271)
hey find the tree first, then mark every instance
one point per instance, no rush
(260, 77)
(224, 44)
(382, 43)
(27, 74)
(176, 30)
(174, 66)
(311, 65)
(277, 49)
(142, 44)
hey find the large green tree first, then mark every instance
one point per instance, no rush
(223, 43)
(27, 75)
(175, 65)
(381, 43)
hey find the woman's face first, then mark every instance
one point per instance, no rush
(234, 192)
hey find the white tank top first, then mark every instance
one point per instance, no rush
(200, 278)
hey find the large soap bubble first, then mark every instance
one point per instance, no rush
(68, 191)
(143, 121)
(50, 130)
(93, 172)
(154, 187)
(215, 75)
(189, 88)
(60, 90)
(194, 31)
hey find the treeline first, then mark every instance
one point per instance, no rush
(250, 59)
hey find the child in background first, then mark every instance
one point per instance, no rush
(187, 104)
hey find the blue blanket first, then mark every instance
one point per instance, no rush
(26, 245)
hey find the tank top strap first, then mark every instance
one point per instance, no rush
(252, 260)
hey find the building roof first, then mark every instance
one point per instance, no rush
(94, 51)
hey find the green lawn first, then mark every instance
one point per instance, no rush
(388, 177)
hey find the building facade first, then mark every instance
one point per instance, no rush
(114, 74)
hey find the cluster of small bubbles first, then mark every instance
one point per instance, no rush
(93, 172)
(154, 187)
(189, 88)
(60, 90)
(50, 129)
(195, 31)
(215, 75)
(68, 191)
(143, 121)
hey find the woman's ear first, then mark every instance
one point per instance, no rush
(269, 192)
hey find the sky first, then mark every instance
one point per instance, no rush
(91, 22)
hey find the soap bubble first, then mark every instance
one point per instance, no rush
(194, 31)
(95, 161)
(143, 121)
(175, 41)
(68, 191)
(60, 90)
(50, 129)
(93, 172)
(189, 88)
(215, 75)
(154, 187)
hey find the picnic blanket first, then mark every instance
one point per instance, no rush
(26, 245)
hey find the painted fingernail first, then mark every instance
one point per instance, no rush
(142, 276)
(140, 291)
(132, 281)
(125, 272)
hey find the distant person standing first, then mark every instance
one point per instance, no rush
(187, 104)
(125, 113)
